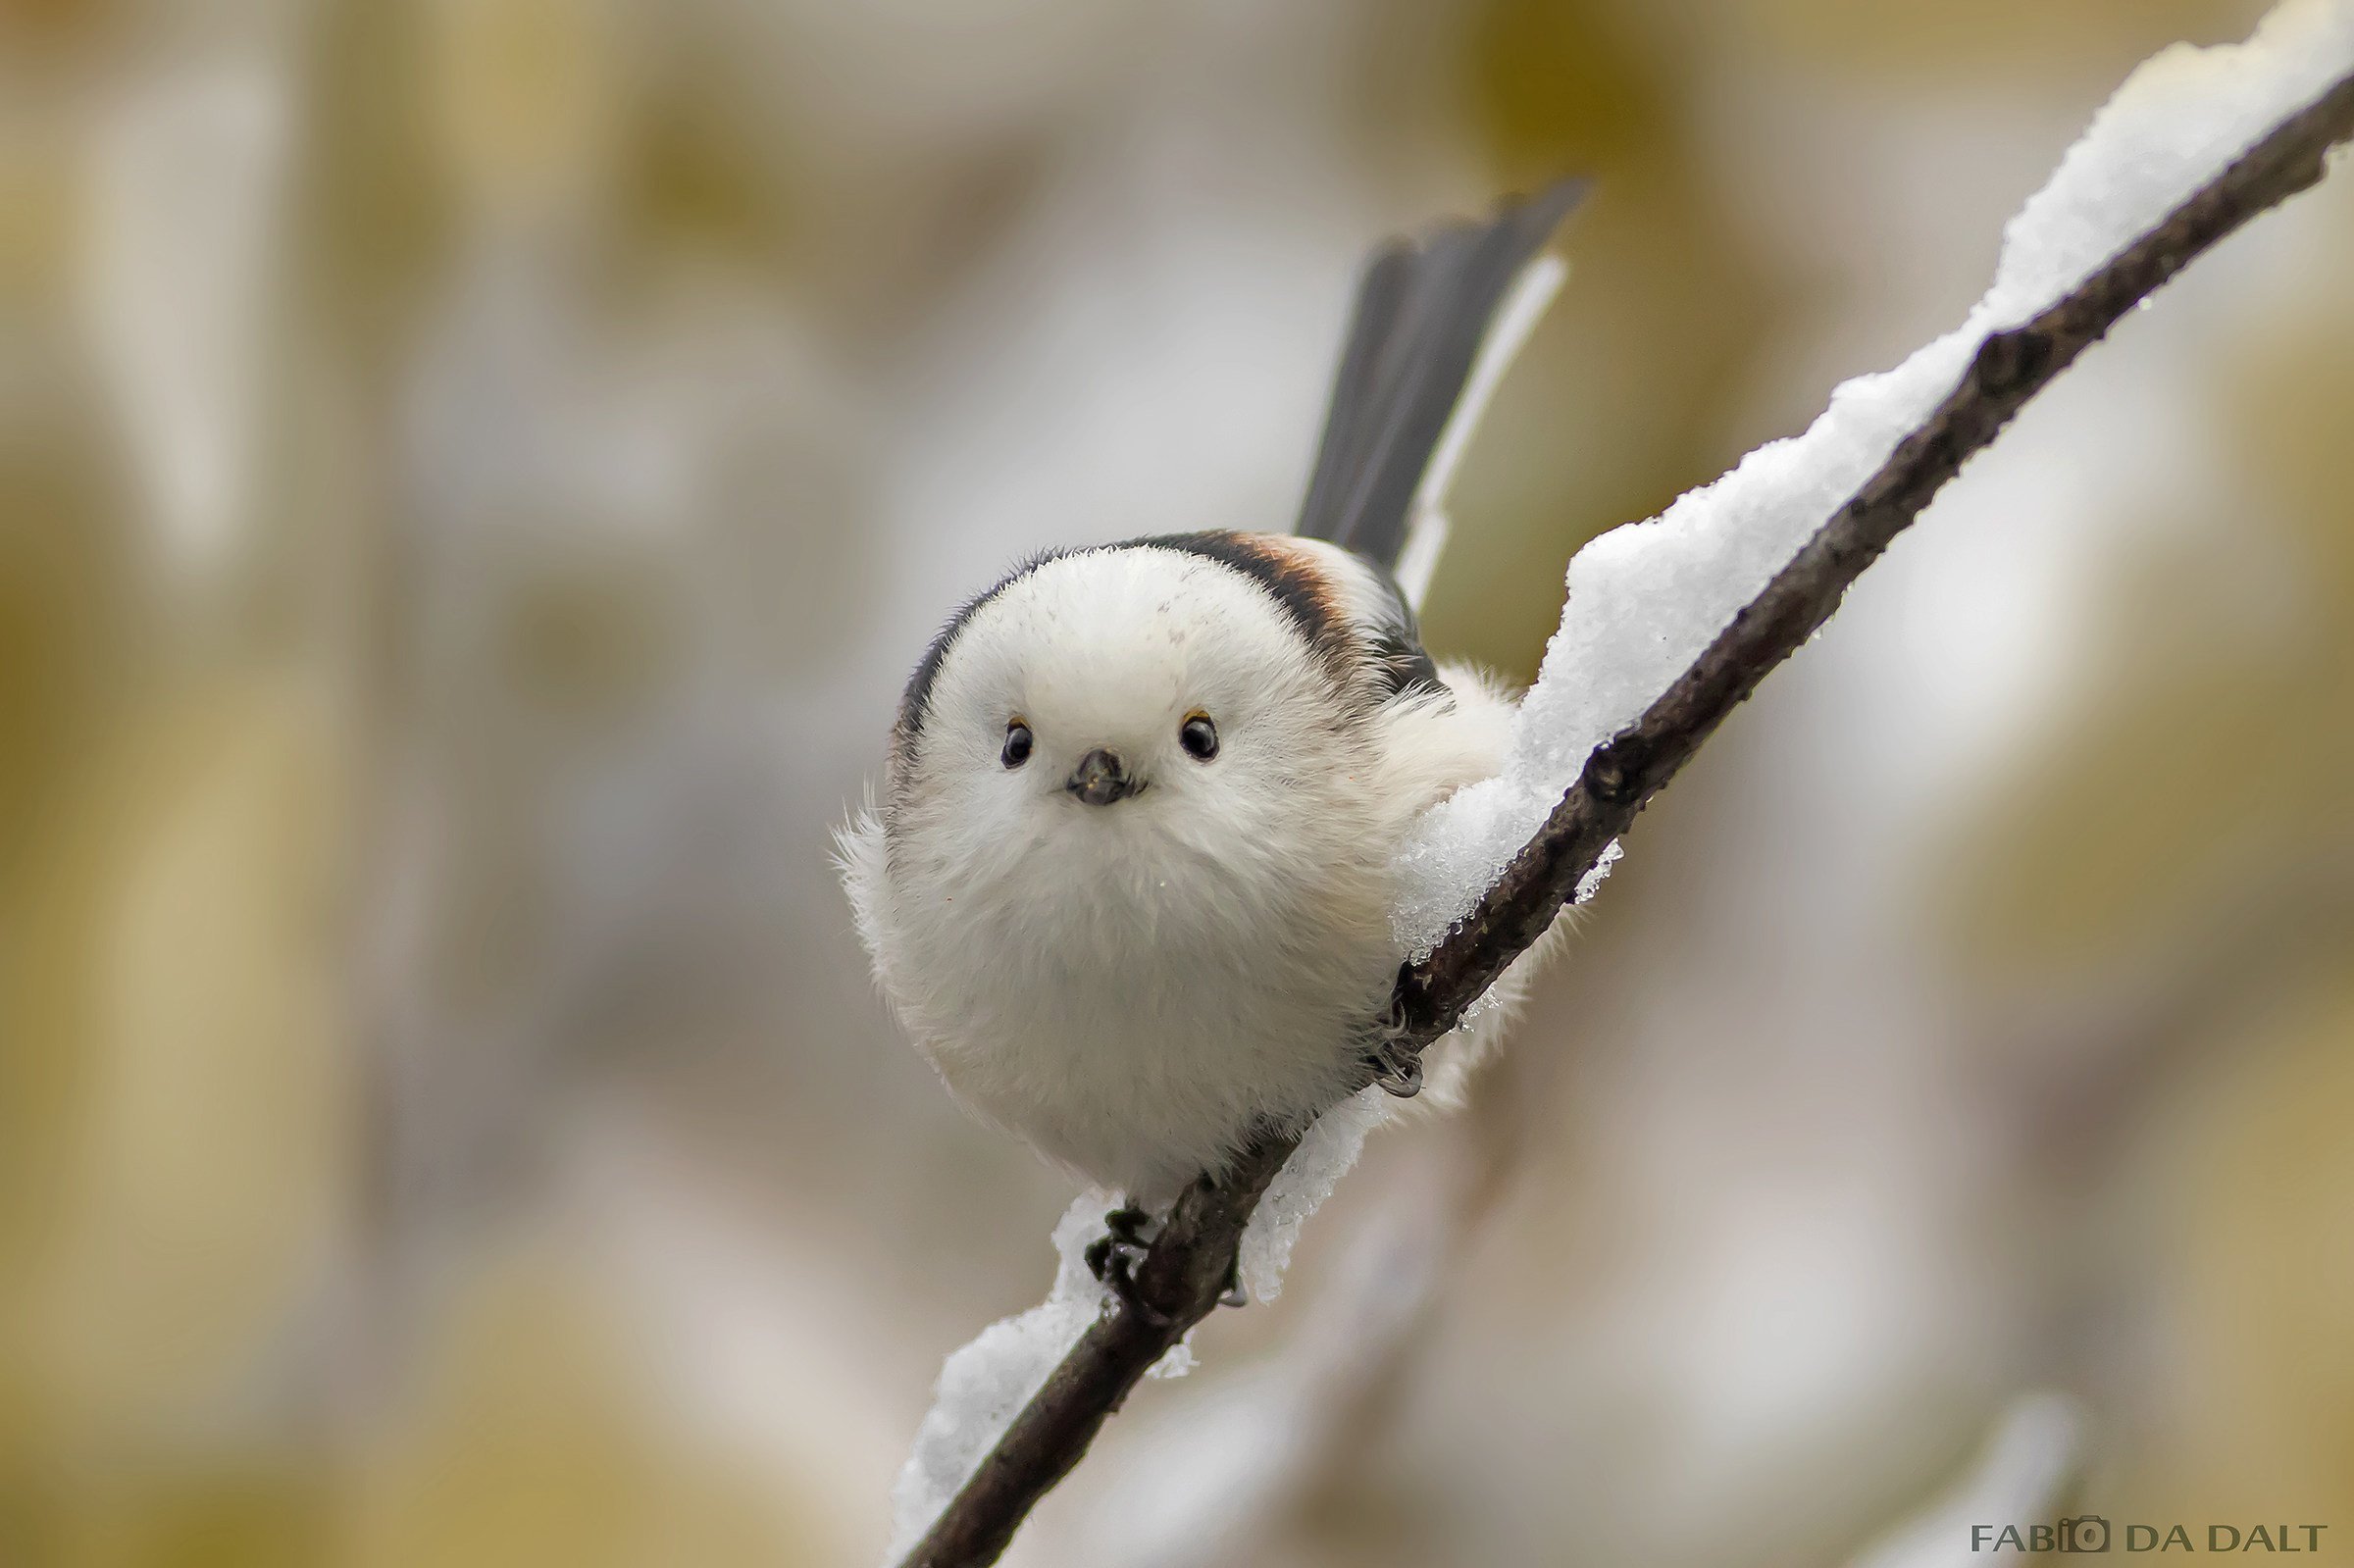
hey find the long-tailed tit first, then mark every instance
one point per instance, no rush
(1129, 885)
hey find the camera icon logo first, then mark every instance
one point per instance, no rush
(2084, 1532)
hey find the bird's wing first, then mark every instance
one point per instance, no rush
(1437, 320)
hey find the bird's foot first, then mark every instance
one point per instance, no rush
(1397, 1068)
(1394, 1060)
(1113, 1257)
(1132, 1225)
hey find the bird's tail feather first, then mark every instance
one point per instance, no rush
(1436, 323)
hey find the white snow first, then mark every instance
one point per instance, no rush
(1301, 1187)
(1597, 874)
(1644, 600)
(985, 1383)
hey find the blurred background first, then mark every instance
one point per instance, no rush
(475, 473)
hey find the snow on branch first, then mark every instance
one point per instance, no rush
(1669, 624)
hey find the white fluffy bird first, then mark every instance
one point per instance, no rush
(1130, 879)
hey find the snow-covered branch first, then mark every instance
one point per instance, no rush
(1671, 624)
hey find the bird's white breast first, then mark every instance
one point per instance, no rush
(1137, 987)
(1133, 1000)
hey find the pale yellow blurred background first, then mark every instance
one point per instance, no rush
(474, 472)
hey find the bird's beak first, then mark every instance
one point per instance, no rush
(1099, 780)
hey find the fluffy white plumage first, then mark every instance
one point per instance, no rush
(1133, 986)
(1135, 952)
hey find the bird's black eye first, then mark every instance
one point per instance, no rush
(1018, 742)
(1199, 737)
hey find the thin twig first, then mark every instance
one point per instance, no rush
(1185, 1272)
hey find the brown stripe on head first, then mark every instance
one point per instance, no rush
(1287, 569)
(1292, 573)
(1311, 581)
(1351, 612)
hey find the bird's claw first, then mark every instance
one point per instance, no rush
(1397, 1068)
(1113, 1257)
(1131, 1225)
(1396, 1063)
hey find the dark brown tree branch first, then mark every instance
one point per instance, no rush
(1187, 1269)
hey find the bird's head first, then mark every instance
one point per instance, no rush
(1122, 709)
